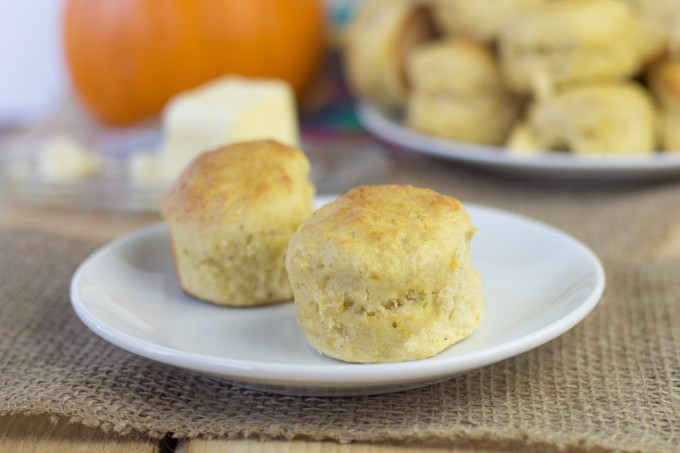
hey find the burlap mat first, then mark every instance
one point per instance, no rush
(611, 383)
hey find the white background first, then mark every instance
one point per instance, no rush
(32, 71)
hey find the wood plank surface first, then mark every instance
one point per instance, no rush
(42, 433)
(254, 446)
(92, 225)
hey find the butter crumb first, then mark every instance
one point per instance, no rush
(62, 158)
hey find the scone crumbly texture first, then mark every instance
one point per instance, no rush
(230, 216)
(384, 274)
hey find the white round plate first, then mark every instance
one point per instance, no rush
(611, 167)
(538, 283)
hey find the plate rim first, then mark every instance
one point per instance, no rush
(386, 128)
(340, 374)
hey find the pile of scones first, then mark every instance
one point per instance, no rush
(587, 76)
(381, 274)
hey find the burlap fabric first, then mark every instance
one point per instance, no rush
(611, 383)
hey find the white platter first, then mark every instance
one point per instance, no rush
(538, 282)
(549, 164)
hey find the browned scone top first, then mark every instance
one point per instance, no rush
(239, 181)
(388, 230)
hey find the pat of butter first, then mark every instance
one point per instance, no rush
(145, 166)
(227, 110)
(62, 158)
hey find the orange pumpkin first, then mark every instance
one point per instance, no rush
(128, 57)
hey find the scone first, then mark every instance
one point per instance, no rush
(594, 118)
(457, 93)
(480, 20)
(384, 274)
(660, 26)
(379, 39)
(230, 215)
(664, 81)
(569, 41)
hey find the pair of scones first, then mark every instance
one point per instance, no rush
(539, 53)
(381, 274)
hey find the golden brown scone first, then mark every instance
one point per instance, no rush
(569, 41)
(664, 81)
(379, 39)
(384, 274)
(457, 93)
(230, 215)
(660, 26)
(595, 118)
(480, 20)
